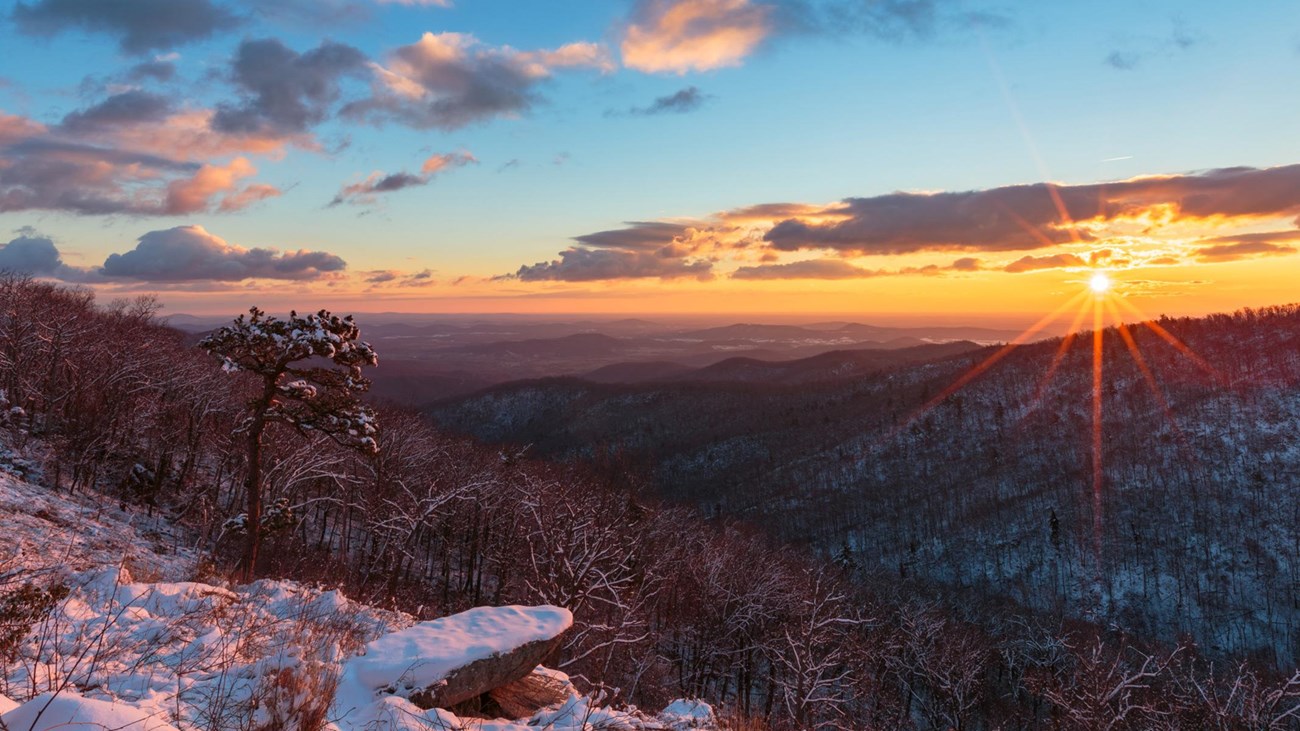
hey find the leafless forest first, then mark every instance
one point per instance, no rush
(810, 557)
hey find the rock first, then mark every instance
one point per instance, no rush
(447, 661)
(524, 697)
(481, 676)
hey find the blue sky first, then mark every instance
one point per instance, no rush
(919, 96)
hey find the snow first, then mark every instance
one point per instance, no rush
(174, 655)
(688, 714)
(46, 531)
(420, 656)
(70, 711)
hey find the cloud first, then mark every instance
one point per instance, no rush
(30, 254)
(644, 249)
(585, 265)
(365, 192)
(156, 70)
(286, 92)
(1123, 60)
(681, 102)
(1246, 246)
(1026, 217)
(129, 154)
(197, 193)
(396, 278)
(451, 80)
(637, 236)
(1131, 223)
(678, 36)
(1136, 51)
(830, 268)
(139, 25)
(127, 108)
(14, 128)
(1036, 263)
(47, 173)
(190, 253)
(809, 269)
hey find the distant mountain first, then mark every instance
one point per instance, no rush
(655, 370)
(581, 345)
(835, 365)
(1188, 525)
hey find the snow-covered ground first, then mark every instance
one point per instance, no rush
(165, 654)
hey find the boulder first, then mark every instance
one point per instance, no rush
(526, 696)
(481, 676)
(447, 661)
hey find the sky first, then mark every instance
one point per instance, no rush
(945, 158)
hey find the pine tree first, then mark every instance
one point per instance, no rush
(312, 399)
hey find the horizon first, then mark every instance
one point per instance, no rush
(662, 157)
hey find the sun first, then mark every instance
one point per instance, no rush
(1100, 283)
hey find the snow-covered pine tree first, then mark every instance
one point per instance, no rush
(313, 399)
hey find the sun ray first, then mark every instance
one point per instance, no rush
(982, 366)
(1057, 359)
(1149, 376)
(1098, 471)
(1173, 340)
(1027, 226)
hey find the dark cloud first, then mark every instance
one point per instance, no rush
(642, 249)
(1026, 217)
(157, 70)
(30, 254)
(139, 25)
(286, 93)
(129, 107)
(637, 236)
(967, 264)
(681, 102)
(1036, 263)
(190, 253)
(585, 265)
(449, 80)
(366, 191)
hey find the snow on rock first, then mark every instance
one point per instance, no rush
(70, 711)
(452, 659)
(684, 714)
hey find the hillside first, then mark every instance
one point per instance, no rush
(988, 494)
(130, 480)
(107, 650)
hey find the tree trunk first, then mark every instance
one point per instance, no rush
(253, 484)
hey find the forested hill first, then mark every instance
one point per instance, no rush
(990, 491)
(118, 439)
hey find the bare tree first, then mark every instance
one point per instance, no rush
(311, 399)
